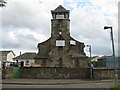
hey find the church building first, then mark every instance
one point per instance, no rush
(61, 50)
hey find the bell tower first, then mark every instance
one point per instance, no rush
(60, 13)
(60, 22)
(61, 50)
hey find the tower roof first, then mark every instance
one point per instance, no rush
(60, 8)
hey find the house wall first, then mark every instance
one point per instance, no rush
(31, 61)
(10, 57)
(84, 63)
(66, 62)
(3, 58)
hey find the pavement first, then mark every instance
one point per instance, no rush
(51, 81)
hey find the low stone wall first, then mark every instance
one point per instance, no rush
(105, 73)
(7, 73)
(60, 73)
(54, 73)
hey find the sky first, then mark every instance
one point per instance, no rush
(25, 23)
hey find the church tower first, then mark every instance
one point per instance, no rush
(60, 22)
(61, 50)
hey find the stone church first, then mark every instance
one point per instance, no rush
(61, 50)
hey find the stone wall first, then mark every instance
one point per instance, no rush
(7, 73)
(61, 73)
(52, 55)
(54, 73)
(105, 73)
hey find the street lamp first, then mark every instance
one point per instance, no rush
(110, 27)
(89, 49)
(91, 65)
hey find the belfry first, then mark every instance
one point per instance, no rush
(61, 50)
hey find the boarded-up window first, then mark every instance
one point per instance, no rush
(59, 16)
(72, 42)
(60, 42)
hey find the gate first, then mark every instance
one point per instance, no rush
(16, 72)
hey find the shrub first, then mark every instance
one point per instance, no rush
(115, 87)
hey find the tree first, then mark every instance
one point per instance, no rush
(2, 3)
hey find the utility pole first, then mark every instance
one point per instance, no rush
(111, 33)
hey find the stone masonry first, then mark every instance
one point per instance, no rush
(61, 50)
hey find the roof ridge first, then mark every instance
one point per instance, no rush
(60, 8)
(26, 56)
(30, 52)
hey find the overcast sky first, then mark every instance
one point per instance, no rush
(25, 23)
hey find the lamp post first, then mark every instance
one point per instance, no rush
(91, 67)
(111, 33)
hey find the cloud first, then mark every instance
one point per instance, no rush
(87, 25)
(27, 23)
(22, 39)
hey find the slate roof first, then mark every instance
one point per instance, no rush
(3, 55)
(28, 55)
(41, 56)
(60, 8)
(76, 55)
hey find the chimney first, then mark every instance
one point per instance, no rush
(20, 53)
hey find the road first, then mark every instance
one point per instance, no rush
(82, 85)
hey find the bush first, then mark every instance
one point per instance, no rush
(115, 87)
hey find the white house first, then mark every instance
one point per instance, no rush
(6, 57)
(26, 59)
